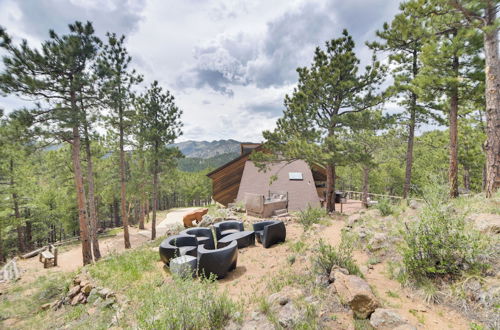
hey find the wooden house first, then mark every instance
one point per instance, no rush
(301, 184)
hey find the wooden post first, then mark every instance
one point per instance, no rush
(55, 256)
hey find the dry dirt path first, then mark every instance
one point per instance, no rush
(70, 257)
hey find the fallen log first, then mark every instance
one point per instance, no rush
(34, 253)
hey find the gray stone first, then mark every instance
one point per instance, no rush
(283, 297)
(184, 266)
(385, 319)
(378, 242)
(414, 204)
(106, 293)
(353, 218)
(289, 315)
(322, 281)
(93, 295)
(335, 269)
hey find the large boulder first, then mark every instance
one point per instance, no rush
(487, 223)
(387, 319)
(355, 292)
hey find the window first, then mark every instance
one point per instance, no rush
(295, 176)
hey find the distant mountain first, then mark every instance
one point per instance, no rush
(195, 164)
(205, 149)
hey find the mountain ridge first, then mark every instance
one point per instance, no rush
(208, 149)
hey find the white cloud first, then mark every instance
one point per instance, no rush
(229, 63)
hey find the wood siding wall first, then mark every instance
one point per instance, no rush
(226, 181)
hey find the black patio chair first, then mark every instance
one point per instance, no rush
(176, 246)
(225, 228)
(269, 232)
(203, 235)
(218, 261)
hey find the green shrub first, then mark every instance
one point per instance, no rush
(385, 207)
(310, 216)
(186, 304)
(441, 244)
(328, 256)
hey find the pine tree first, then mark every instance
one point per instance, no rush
(446, 56)
(316, 111)
(55, 76)
(160, 123)
(117, 81)
(403, 40)
(482, 15)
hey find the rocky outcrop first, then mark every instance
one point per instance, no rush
(82, 292)
(486, 223)
(355, 292)
(388, 319)
(378, 242)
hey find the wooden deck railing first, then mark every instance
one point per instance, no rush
(358, 195)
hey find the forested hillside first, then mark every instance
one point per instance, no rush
(206, 149)
(195, 164)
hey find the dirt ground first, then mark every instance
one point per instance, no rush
(256, 266)
(70, 257)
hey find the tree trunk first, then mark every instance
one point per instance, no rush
(155, 192)
(28, 237)
(466, 179)
(142, 193)
(366, 185)
(330, 188)
(492, 145)
(123, 192)
(15, 206)
(411, 131)
(91, 201)
(80, 194)
(116, 215)
(453, 170)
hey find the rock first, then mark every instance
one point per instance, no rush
(78, 279)
(332, 289)
(98, 301)
(46, 306)
(353, 218)
(106, 293)
(73, 291)
(377, 242)
(487, 223)
(87, 288)
(336, 269)
(355, 292)
(76, 299)
(206, 221)
(322, 281)
(283, 297)
(84, 283)
(414, 204)
(385, 319)
(107, 302)
(93, 295)
(289, 315)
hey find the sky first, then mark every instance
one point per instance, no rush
(228, 63)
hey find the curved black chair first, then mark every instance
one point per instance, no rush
(269, 232)
(203, 235)
(219, 261)
(176, 246)
(225, 228)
